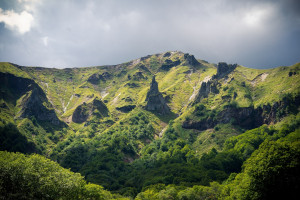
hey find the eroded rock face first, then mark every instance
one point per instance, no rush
(34, 102)
(155, 100)
(168, 64)
(85, 110)
(95, 78)
(143, 68)
(248, 117)
(33, 105)
(145, 57)
(17, 85)
(224, 69)
(211, 86)
(167, 54)
(190, 60)
(205, 89)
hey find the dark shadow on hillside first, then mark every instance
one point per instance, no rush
(165, 117)
(50, 127)
(12, 140)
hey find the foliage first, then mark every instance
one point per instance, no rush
(145, 155)
(12, 140)
(34, 177)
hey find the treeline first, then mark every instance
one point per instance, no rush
(35, 177)
(122, 161)
(270, 171)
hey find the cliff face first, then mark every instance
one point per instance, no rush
(85, 110)
(248, 117)
(13, 87)
(223, 69)
(168, 64)
(205, 89)
(96, 78)
(34, 102)
(155, 100)
(190, 60)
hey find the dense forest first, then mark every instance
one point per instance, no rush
(165, 126)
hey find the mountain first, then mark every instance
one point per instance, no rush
(159, 123)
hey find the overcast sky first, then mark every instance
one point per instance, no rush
(56, 33)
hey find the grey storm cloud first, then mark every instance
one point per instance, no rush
(253, 33)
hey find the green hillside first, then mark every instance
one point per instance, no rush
(221, 127)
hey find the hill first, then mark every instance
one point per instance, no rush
(194, 124)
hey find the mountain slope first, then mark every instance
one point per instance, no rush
(98, 121)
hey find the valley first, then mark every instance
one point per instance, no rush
(164, 126)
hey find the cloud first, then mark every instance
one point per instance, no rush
(21, 23)
(45, 41)
(253, 33)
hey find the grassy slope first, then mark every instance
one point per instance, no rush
(68, 88)
(178, 85)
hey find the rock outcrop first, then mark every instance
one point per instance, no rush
(168, 64)
(143, 68)
(205, 89)
(34, 102)
(85, 110)
(211, 86)
(248, 117)
(96, 78)
(167, 54)
(138, 76)
(155, 100)
(190, 60)
(224, 69)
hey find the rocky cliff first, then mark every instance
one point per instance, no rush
(85, 110)
(33, 100)
(96, 78)
(35, 104)
(211, 86)
(190, 60)
(223, 69)
(155, 100)
(205, 89)
(248, 117)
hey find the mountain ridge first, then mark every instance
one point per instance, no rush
(120, 126)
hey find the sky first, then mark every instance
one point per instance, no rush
(73, 33)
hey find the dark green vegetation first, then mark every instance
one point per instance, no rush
(208, 132)
(35, 177)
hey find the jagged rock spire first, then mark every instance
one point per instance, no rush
(155, 100)
(153, 88)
